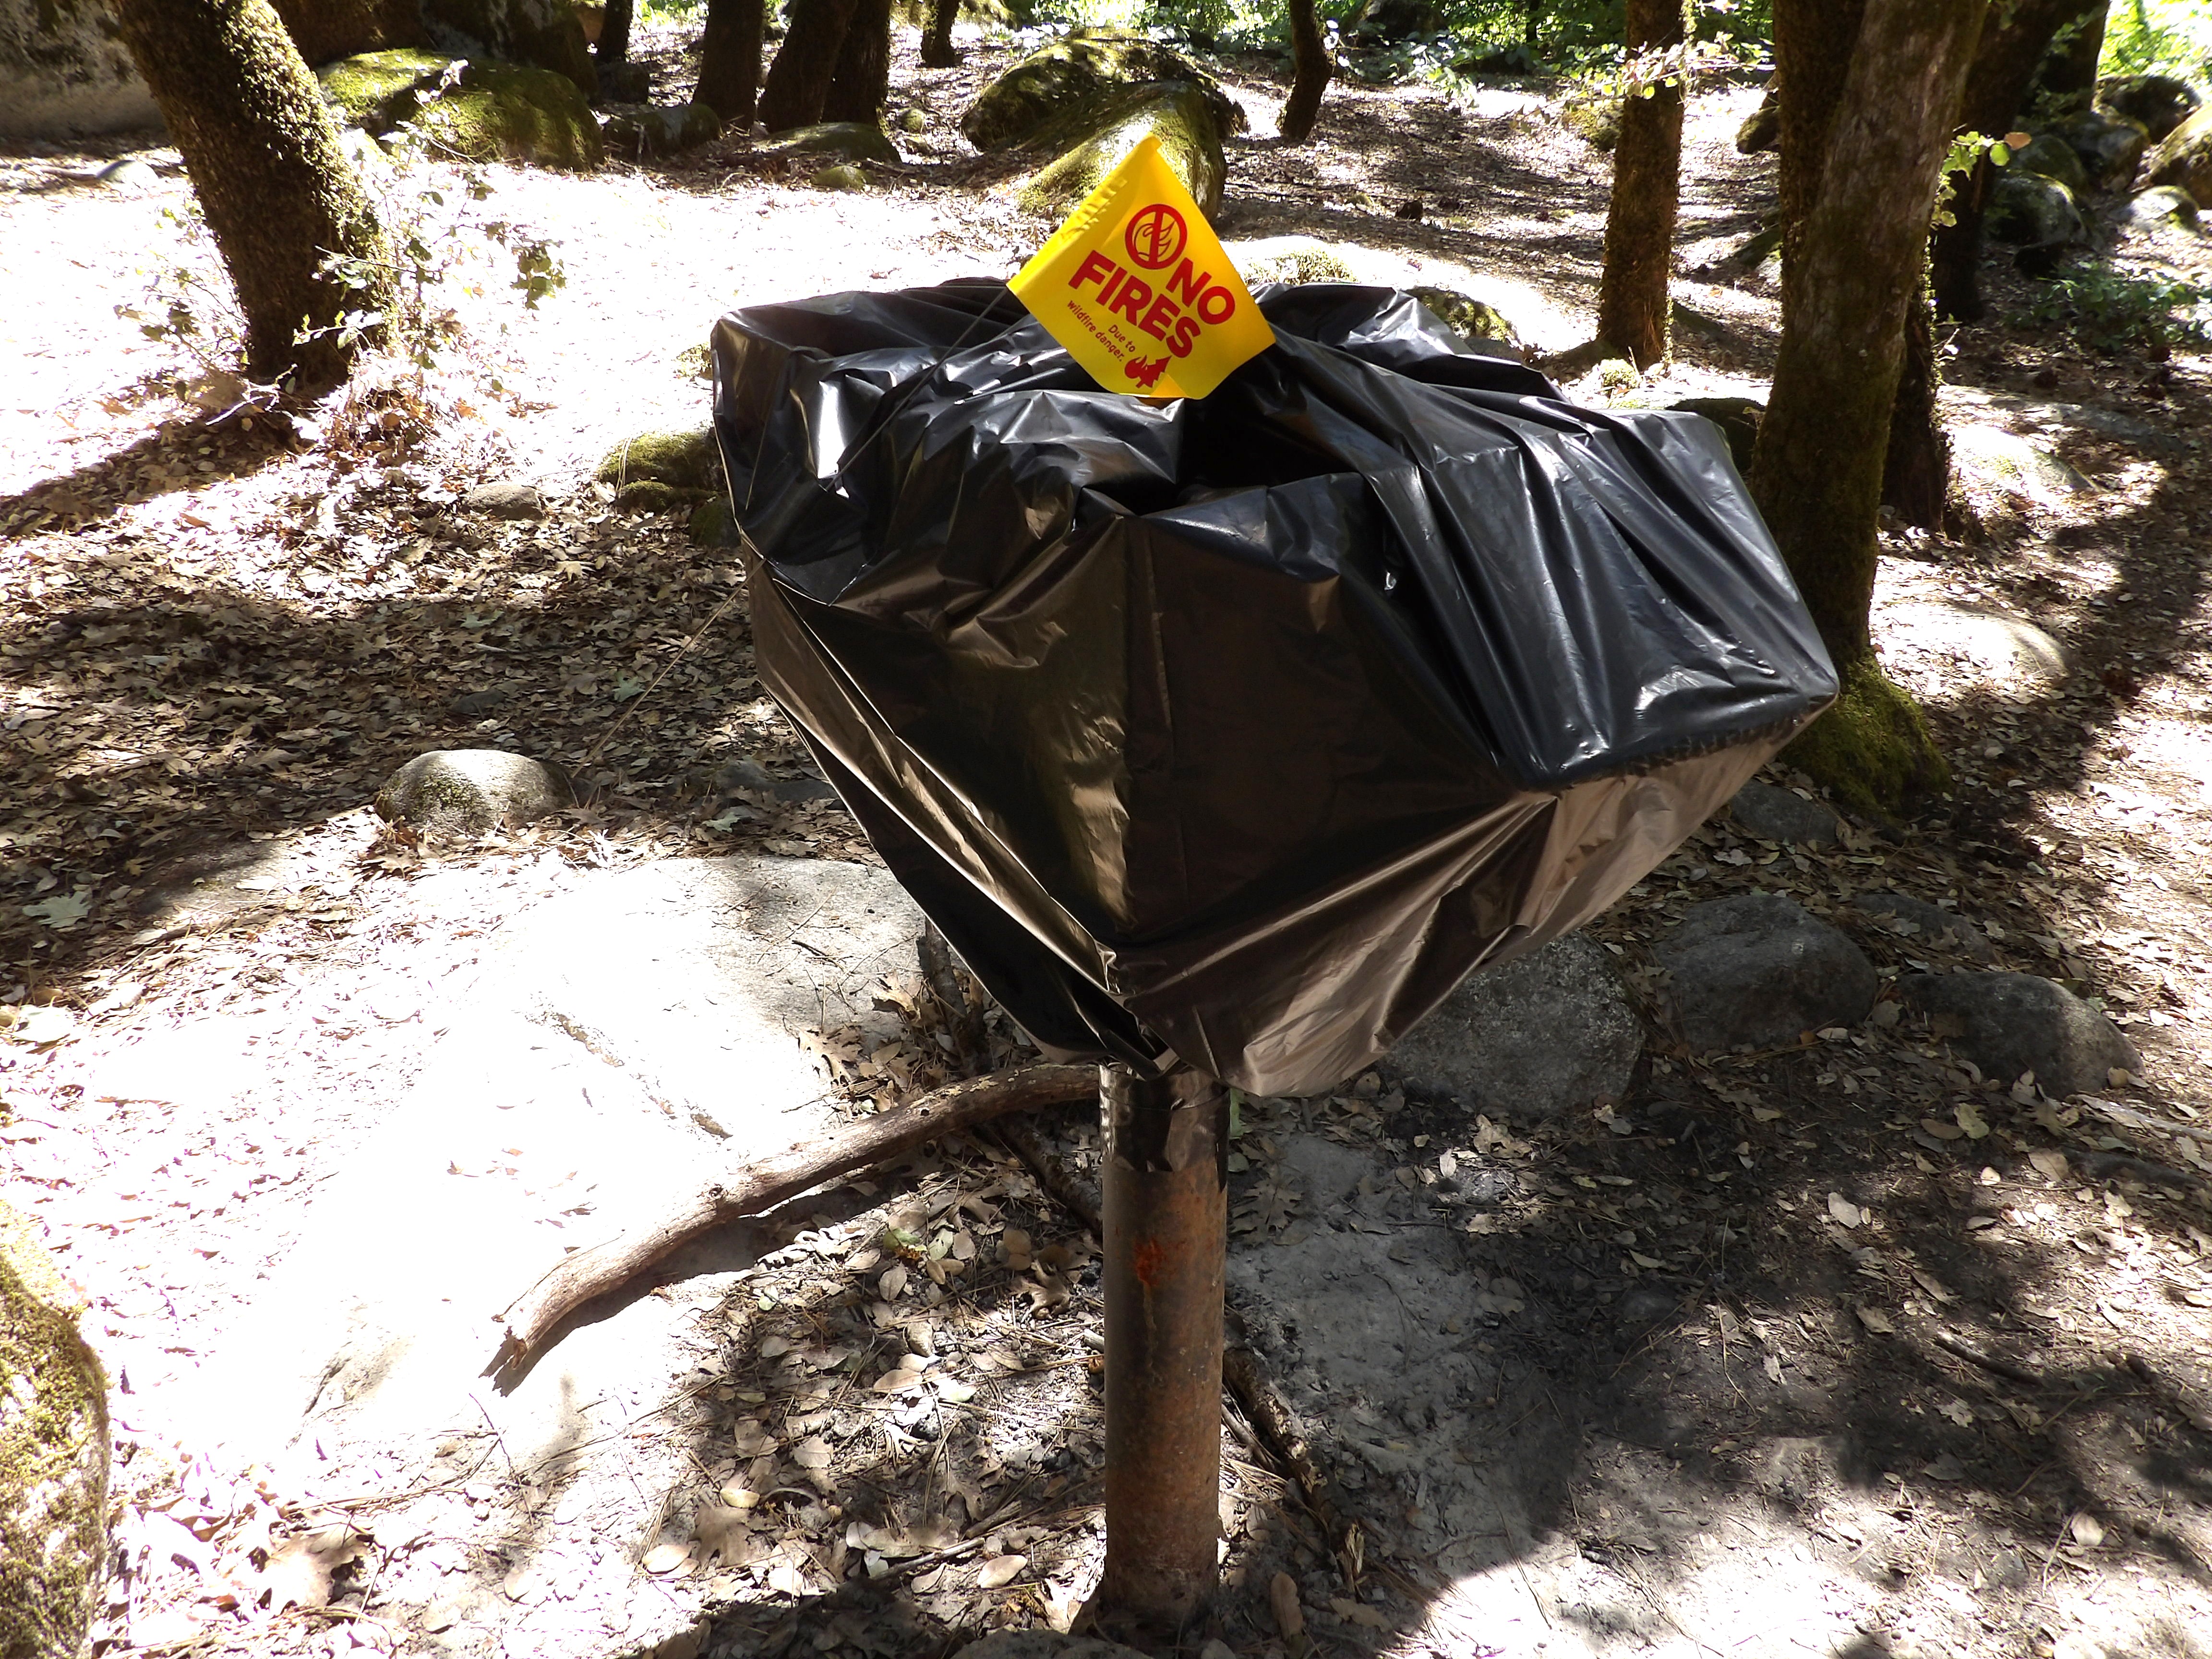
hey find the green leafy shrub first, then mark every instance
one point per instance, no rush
(2114, 309)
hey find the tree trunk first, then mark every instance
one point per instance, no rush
(1310, 73)
(264, 159)
(730, 58)
(1632, 305)
(613, 45)
(861, 83)
(2014, 42)
(2071, 72)
(1813, 45)
(1530, 11)
(1916, 474)
(936, 51)
(798, 80)
(1860, 249)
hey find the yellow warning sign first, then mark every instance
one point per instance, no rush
(1138, 290)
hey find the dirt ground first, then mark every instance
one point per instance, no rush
(1843, 1337)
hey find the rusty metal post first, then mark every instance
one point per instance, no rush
(1165, 1215)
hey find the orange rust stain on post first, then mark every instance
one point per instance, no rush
(1146, 1263)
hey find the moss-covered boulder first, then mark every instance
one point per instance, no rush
(2054, 158)
(1593, 119)
(1465, 314)
(687, 461)
(2032, 210)
(1074, 74)
(53, 1454)
(713, 523)
(2161, 102)
(1092, 141)
(843, 176)
(544, 35)
(2162, 204)
(505, 112)
(2184, 158)
(1761, 131)
(376, 91)
(638, 132)
(834, 143)
(485, 111)
(2111, 147)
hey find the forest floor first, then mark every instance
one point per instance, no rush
(1839, 1350)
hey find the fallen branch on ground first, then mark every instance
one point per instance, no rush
(851, 1148)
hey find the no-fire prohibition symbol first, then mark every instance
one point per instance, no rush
(1156, 236)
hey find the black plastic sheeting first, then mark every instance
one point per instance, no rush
(1234, 733)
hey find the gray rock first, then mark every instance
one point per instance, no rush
(2008, 1023)
(602, 1024)
(1994, 459)
(1978, 641)
(1916, 920)
(2111, 147)
(834, 141)
(2052, 157)
(2162, 204)
(128, 175)
(2031, 210)
(1757, 970)
(2184, 157)
(510, 498)
(1767, 813)
(53, 1454)
(64, 74)
(637, 131)
(1542, 1035)
(471, 790)
(2161, 102)
(1043, 1645)
(625, 83)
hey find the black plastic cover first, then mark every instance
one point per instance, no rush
(1234, 733)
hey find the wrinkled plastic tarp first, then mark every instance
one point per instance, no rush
(1235, 733)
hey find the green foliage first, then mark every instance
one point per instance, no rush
(441, 247)
(441, 244)
(2112, 309)
(1966, 149)
(2158, 37)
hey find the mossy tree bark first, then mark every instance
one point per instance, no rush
(937, 52)
(613, 45)
(798, 80)
(1853, 266)
(860, 85)
(246, 113)
(730, 58)
(1633, 304)
(2013, 43)
(1310, 75)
